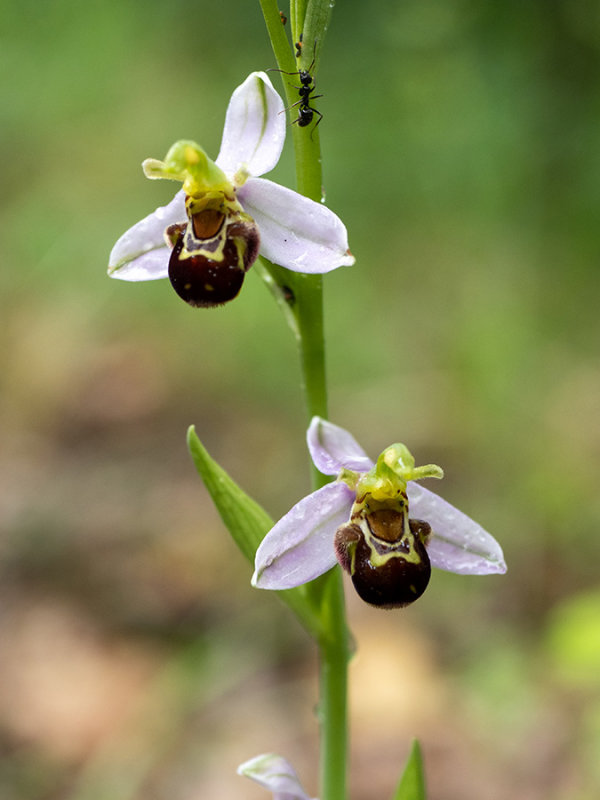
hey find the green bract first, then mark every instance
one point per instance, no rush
(394, 468)
(187, 162)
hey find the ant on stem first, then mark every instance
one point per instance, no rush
(307, 86)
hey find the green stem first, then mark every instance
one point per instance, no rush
(307, 289)
(334, 653)
(327, 591)
(309, 314)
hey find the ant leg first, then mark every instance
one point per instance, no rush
(314, 110)
(274, 69)
(299, 102)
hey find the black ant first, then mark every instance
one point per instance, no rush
(307, 86)
(305, 90)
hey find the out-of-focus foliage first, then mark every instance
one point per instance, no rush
(460, 145)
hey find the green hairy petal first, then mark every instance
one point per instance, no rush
(412, 782)
(248, 523)
(394, 468)
(187, 162)
(400, 460)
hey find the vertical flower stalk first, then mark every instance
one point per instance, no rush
(307, 290)
(308, 294)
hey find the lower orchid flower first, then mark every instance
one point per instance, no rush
(275, 774)
(384, 529)
(210, 234)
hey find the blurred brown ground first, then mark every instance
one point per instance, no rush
(136, 662)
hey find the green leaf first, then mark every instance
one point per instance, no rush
(315, 24)
(412, 782)
(248, 523)
(245, 520)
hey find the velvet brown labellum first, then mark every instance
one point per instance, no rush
(211, 256)
(386, 558)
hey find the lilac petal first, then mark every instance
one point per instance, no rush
(333, 449)
(299, 547)
(275, 774)
(142, 254)
(458, 543)
(295, 232)
(254, 130)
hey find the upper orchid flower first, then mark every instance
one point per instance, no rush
(210, 234)
(362, 520)
(276, 774)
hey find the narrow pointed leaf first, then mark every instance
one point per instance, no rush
(412, 782)
(247, 522)
(314, 27)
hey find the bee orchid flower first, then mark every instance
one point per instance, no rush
(384, 529)
(275, 774)
(210, 234)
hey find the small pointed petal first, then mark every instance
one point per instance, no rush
(333, 449)
(142, 253)
(254, 130)
(275, 774)
(299, 547)
(295, 232)
(459, 544)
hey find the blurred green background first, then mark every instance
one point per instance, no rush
(461, 147)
